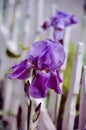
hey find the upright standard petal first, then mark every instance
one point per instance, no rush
(37, 48)
(53, 58)
(58, 55)
(38, 88)
(54, 82)
(61, 20)
(20, 71)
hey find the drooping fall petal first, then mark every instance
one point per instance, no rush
(20, 71)
(54, 82)
(38, 88)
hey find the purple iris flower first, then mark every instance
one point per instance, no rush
(59, 21)
(45, 58)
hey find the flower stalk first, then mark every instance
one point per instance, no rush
(29, 116)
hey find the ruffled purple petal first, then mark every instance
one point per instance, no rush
(45, 60)
(20, 71)
(60, 20)
(59, 55)
(53, 57)
(37, 48)
(38, 88)
(54, 82)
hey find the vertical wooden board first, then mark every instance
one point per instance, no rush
(5, 61)
(40, 16)
(52, 105)
(69, 113)
(1, 10)
(45, 122)
(9, 12)
(82, 115)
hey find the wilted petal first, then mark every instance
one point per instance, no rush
(38, 88)
(54, 82)
(20, 71)
(46, 25)
(73, 19)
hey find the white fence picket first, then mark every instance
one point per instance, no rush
(69, 113)
(40, 16)
(9, 12)
(82, 115)
(45, 122)
(1, 10)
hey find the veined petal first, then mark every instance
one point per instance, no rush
(60, 20)
(20, 71)
(22, 64)
(54, 82)
(37, 48)
(45, 60)
(38, 88)
(53, 57)
(58, 55)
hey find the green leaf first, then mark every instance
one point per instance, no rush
(67, 72)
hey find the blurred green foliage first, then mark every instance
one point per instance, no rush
(67, 72)
(84, 58)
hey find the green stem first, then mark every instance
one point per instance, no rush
(29, 116)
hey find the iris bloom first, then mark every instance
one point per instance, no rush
(45, 58)
(59, 21)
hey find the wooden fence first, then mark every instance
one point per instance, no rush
(20, 22)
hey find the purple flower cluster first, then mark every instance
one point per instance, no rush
(44, 59)
(59, 21)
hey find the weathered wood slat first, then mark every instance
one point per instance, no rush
(40, 16)
(82, 115)
(1, 9)
(45, 122)
(9, 12)
(69, 113)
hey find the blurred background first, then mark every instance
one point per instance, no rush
(20, 26)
